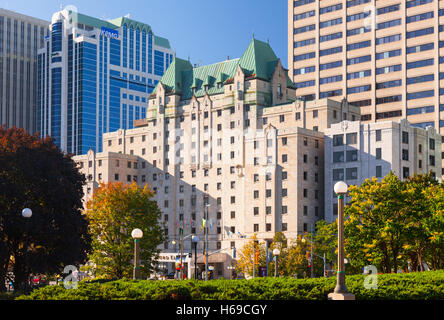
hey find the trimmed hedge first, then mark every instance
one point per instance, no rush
(405, 286)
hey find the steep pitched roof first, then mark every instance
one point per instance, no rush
(258, 61)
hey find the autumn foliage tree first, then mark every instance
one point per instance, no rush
(113, 212)
(35, 174)
(392, 223)
(252, 249)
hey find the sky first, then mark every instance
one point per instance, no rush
(206, 31)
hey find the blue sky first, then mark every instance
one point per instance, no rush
(205, 30)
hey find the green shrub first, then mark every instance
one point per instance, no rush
(410, 286)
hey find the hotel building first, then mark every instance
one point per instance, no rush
(95, 76)
(231, 135)
(20, 38)
(383, 56)
(355, 152)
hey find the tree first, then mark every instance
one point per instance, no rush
(326, 241)
(113, 212)
(294, 261)
(252, 248)
(376, 216)
(433, 226)
(393, 224)
(36, 174)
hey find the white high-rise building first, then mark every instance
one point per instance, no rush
(355, 152)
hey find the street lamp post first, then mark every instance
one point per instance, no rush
(206, 240)
(27, 214)
(276, 253)
(175, 266)
(340, 292)
(195, 240)
(137, 234)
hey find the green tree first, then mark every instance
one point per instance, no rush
(326, 241)
(113, 212)
(294, 261)
(34, 173)
(434, 226)
(394, 223)
(279, 242)
(374, 230)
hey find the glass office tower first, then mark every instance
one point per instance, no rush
(95, 76)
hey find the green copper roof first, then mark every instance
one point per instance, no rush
(90, 21)
(258, 61)
(131, 23)
(162, 42)
(172, 79)
(118, 23)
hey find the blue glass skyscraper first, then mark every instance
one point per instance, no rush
(95, 76)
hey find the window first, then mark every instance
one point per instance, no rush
(284, 193)
(378, 171)
(432, 160)
(338, 156)
(358, 45)
(405, 137)
(352, 138)
(338, 140)
(281, 118)
(405, 172)
(338, 174)
(330, 37)
(268, 193)
(304, 29)
(388, 39)
(352, 173)
(331, 8)
(378, 153)
(305, 210)
(330, 23)
(352, 155)
(304, 43)
(256, 211)
(255, 227)
(284, 158)
(432, 144)
(233, 199)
